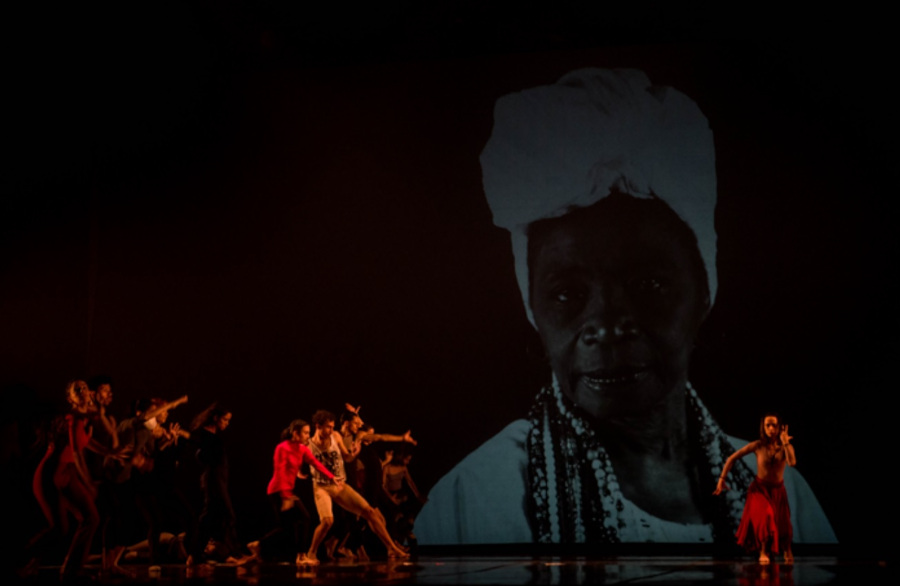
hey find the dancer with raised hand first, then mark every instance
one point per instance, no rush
(148, 432)
(348, 532)
(766, 522)
(329, 450)
(353, 429)
(170, 460)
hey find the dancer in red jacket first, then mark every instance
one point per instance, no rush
(293, 518)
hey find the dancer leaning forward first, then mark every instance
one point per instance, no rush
(328, 449)
(766, 523)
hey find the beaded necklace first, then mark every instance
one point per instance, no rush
(575, 495)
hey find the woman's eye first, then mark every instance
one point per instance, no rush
(568, 294)
(651, 285)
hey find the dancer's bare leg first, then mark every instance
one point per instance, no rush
(331, 545)
(380, 516)
(317, 538)
(376, 522)
(353, 502)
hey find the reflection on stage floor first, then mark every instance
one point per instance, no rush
(512, 570)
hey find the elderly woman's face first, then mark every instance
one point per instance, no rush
(618, 301)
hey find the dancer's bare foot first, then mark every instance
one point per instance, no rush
(789, 557)
(239, 561)
(311, 560)
(397, 553)
(763, 558)
(117, 570)
(345, 553)
(253, 546)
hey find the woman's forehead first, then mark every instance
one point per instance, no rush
(616, 230)
(566, 246)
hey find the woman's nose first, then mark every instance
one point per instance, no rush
(608, 316)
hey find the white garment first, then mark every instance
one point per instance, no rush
(483, 500)
(569, 144)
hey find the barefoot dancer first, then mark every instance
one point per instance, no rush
(217, 519)
(149, 434)
(328, 449)
(766, 522)
(349, 535)
(115, 489)
(293, 518)
(77, 492)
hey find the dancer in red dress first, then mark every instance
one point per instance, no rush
(766, 522)
(76, 488)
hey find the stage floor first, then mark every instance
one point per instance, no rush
(513, 570)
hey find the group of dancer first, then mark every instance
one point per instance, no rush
(332, 456)
(97, 471)
(100, 472)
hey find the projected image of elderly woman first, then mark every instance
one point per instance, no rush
(607, 186)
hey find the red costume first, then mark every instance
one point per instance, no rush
(767, 518)
(76, 494)
(79, 434)
(73, 453)
(289, 456)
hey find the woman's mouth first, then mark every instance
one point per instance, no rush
(606, 379)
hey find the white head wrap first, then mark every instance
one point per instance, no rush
(558, 147)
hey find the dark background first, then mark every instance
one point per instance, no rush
(279, 207)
